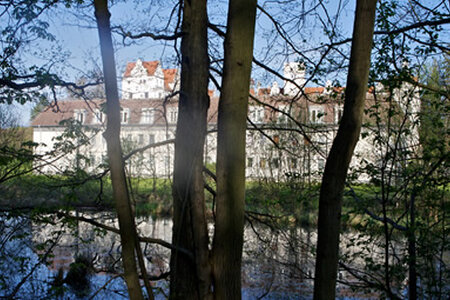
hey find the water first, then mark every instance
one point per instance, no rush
(277, 263)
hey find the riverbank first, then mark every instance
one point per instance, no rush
(291, 201)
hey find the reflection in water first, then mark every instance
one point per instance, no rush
(277, 264)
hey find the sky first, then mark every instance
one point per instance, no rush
(76, 47)
(77, 51)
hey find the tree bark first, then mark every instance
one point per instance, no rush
(412, 282)
(232, 123)
(333, 181)
(112, 135)
(191, 279)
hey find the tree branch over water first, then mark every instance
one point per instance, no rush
(115, 230)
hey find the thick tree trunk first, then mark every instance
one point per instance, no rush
(338, 160)
(112, 135)
(191, 279)
(232, 125)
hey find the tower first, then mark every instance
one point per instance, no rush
(294, 72)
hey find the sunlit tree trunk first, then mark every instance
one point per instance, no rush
(341, 152)
(232, 125)
(191, 277)
(112, 135)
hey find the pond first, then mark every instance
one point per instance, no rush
(36, 254)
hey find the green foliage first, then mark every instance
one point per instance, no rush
(284, 199)
(435, 110)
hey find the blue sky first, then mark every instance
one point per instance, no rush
(78, 47)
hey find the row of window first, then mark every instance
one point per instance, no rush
(147, 116)
(256, 115)
(143, 95)
(316, 114)
(144, 81)
(141, 139)
(275, 163)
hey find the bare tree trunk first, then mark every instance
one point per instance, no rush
(412, 282)
(191, 279)
(232, 123)
(116, 163)
(338, 160)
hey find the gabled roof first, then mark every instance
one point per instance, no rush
(169, 77)
(150, 66)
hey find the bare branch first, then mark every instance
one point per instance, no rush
(127, 34)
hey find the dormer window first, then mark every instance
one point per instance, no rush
(338, 112)
(172, 115)
(147, 116)
(283, 111)
(316, 114)
(99, 117)
(124, 115)
(256, 114)
(80, 115)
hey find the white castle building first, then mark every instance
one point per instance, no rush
(290, 129)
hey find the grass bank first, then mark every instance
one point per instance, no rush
(288, 201)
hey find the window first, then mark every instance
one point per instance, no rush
(316, 114)
(99, 117)
(151, 138)
(293, 163)
(249, 162)
(151, 160)
(283, 110)
(146, 95)
(276, 139)
(320, 164)
(80, 115)
(147, 116)
(167, 162)
(256, 114)
(140, 139)
(262, 139)
(262, 163)
(338, 112)
(172, 115)
(275, 163)
(124, 115)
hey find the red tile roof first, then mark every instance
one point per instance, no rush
(65, 110)
(150, 66)
(263, 91)
(314, 90)
(169, 77)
